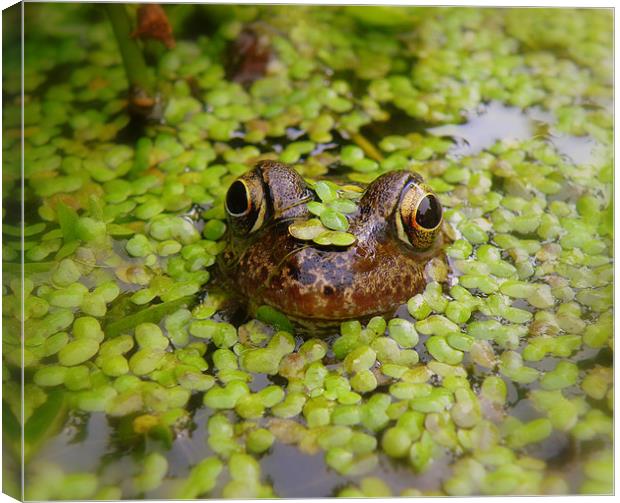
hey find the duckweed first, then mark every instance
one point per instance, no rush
(503, 356)
(403, 332)
(78, 351)
(361, 358)
(329, 229)
(440, 349)
(154, 470)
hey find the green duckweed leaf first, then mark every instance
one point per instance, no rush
(326, 191)
(306, 230)
(316, 208)
(335, 238)
(351, 191)
(365, 165)
(343, 206)
(334, 220)
(351, 154)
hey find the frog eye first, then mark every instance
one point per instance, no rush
(420, 216)
(428, 213)
(238, 202)
(246, 205)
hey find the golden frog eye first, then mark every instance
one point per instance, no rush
(420, 216)
(246, 204)
(271, 191)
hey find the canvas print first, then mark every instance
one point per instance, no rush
(306, 251)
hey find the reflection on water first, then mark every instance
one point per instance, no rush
(81, 444)
(297, 475)
(496, 121)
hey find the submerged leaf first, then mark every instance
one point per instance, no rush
(151, 314)
(45, 421)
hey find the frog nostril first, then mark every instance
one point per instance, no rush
(428, 213)
(237, 199)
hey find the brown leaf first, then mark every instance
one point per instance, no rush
(286, 431)
(249, 56)
(153, 23)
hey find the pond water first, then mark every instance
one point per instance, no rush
(144, 377)
(494, 122)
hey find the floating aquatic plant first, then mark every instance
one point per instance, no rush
(123, 227)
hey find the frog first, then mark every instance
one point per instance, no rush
(397, 228)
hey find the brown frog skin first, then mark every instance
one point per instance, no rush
(397, 227)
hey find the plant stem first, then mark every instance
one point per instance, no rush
(133, 60)
(369, 149)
